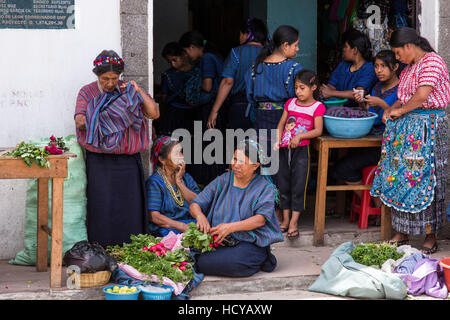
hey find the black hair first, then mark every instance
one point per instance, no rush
(172, 49)
(107, 67)
(257, 27)
(281, 35)
(196, 38)
(388, 58)
(309, 78)
(357, 39)
(165, 149)
(404, 35)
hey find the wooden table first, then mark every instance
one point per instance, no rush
(15, 168)
(323, 144)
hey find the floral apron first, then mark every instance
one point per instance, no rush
(405, 178)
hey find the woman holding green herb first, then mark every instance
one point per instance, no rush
(238, 210)
(170, 189)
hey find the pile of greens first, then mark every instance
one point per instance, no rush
(194, 238)
(29, 153)
(137, 255)
(374, 255)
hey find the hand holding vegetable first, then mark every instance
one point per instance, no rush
(220, 231)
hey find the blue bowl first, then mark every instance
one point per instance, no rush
(349, 127)
(121, 296)
(147, 295)
(333, 102)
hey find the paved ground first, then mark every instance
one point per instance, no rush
(299, 264)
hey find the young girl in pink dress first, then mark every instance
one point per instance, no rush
(301, 121)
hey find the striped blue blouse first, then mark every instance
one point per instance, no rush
(159, 199)
(211, 66)
(272, 82)
(237, 64)
(221, 202)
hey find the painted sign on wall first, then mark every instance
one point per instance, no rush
(37, 14)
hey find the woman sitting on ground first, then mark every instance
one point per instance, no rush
(169, 190)
(239, 208)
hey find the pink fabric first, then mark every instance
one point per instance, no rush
(132, 272)
(300, 120)
(432, 71)
(172, 241)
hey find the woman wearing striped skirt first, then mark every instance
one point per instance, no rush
(111, 125)
(411, 175)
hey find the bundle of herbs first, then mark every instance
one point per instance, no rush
(374, 255)
(194, 238)
(158, 261)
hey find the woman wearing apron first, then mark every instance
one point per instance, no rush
(411, 175)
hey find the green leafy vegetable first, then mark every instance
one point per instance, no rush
(194, 238)
(29, 153)
(370, 254)
(137, 255)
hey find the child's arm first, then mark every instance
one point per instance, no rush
(314, 133)
(280, 129)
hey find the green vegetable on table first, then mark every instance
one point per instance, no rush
(374, 255)
(194, 238)
(29, 153)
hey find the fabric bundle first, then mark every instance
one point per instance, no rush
(109, 115)
(346, 112)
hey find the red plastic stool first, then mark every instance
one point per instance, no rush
(363, 206)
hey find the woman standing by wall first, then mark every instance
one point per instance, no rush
(411, 177)
(116, 185)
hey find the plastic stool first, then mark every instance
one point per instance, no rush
(363, 206)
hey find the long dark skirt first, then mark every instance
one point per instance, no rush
(243, 260)
(236, 113)
(116, 206)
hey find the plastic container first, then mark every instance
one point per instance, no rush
(445, 264)
(333, 102)
(147, 294)
(349, 127)
(120, 296)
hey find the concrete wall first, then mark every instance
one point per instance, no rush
(42, 71)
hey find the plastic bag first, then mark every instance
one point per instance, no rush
(90, 257)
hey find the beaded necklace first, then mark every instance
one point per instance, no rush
(177, 196)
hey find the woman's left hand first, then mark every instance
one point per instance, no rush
(221, 231)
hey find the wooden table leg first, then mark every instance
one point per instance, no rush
(386, 223)
(57, 233)
(42, 220)
(321, 194)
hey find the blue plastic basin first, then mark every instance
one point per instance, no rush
(121, 296)
(349, 127)
(148, 295)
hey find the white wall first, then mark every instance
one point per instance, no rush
(429, 22)
(42, 71)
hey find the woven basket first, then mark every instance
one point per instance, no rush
(96, 279)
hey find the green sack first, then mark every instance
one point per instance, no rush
(74, 206)
(342, 276)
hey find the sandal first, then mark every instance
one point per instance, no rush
(284, 229)
(427, 251)
(293, 234)
(399, 243)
